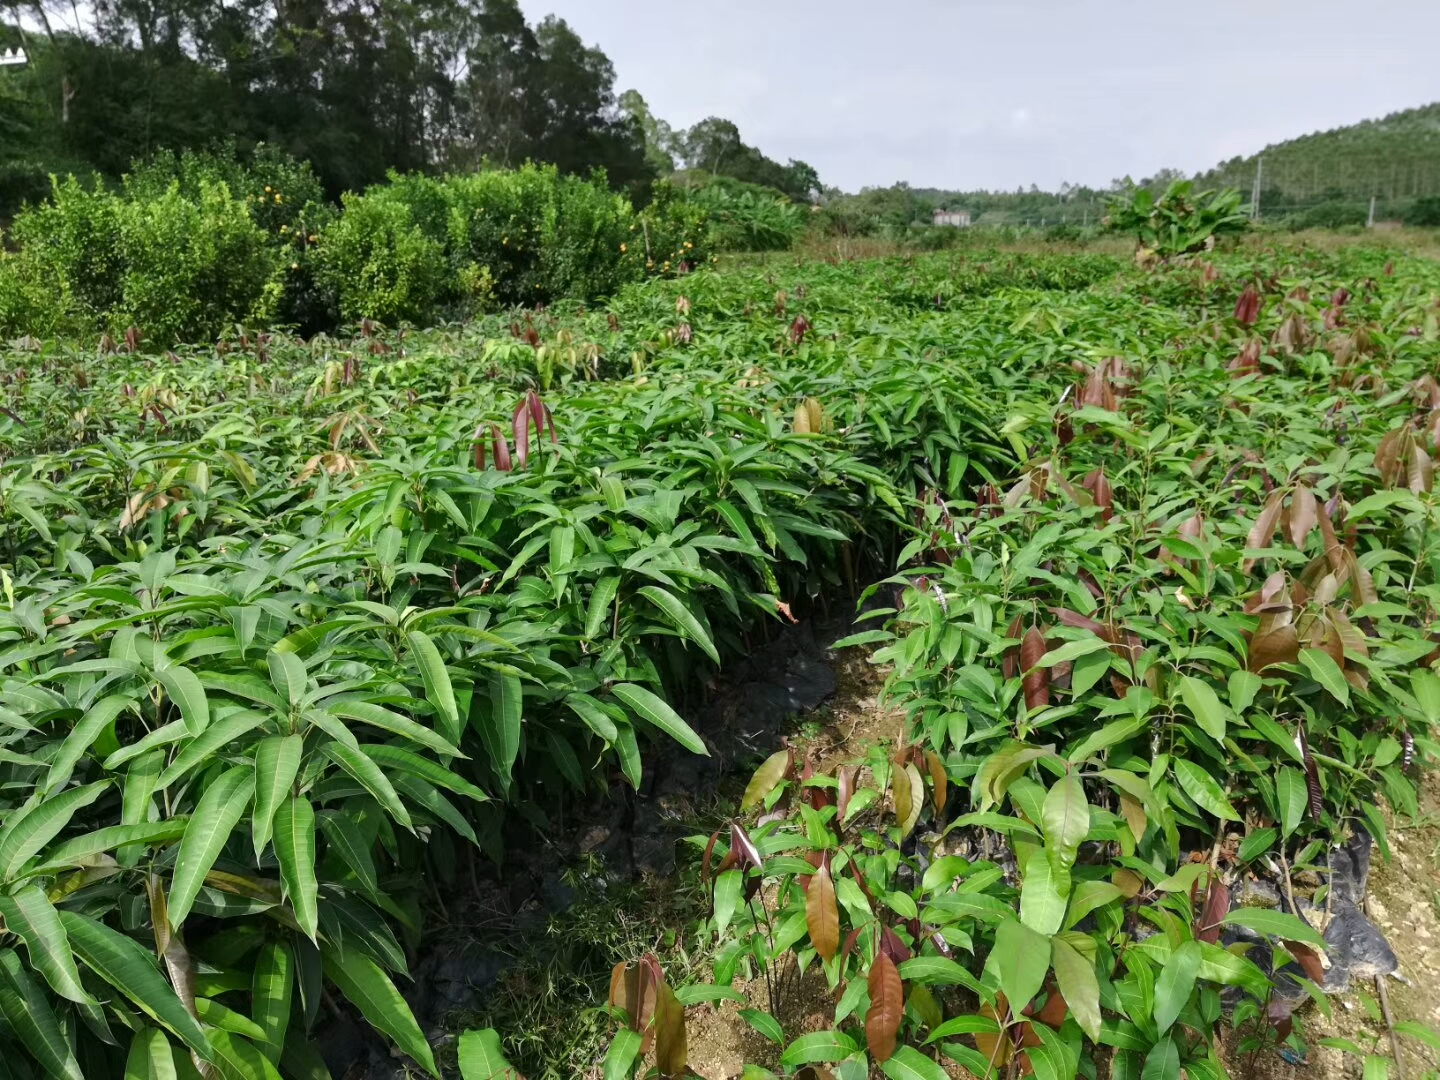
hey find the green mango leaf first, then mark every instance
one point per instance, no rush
(240, 1058)
(907, 1063)
(370, 990)
(216, 815)
(436, 680)
(1278, 924)
(28, 830)
(1242, 687)
(277, 763)
(681, 618)
(1162, 1062)
(1078, 984)
(272, 990)
(130, 968)
(203, 750)
(483, 1058)
(1175, 984)
(937, 971)
(1293, 796)
(363, 769)
(1044, 893)
(150, 1057)
(619, 1063)
(295, 851)
(287, 675)
(1065, 817)
(29, 1017)
(379, 717)
(345, 840)
(500, 724)
(818, 1047)
(189, 697)
(1200, 786)
(1204, 705)
(79, 851)
(28, 914)
(82, 736)
(1324, 670)
(1256, 844)
(765, 1024)
(657, 712)
(1021, 958)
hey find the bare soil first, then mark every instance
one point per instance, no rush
(1403, 896)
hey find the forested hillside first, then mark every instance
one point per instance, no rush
(1396, 157)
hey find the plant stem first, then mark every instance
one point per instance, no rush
(1399, 1071)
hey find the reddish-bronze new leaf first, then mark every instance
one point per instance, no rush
(1275, 643)
(939, 781)
(1217, 903)
(634, 988)
(1308, 959)
(1036, 680)
(1010, 665)
(997, 1047)
(844, 790)
(1265, 525)
(1098, 484)
(822, 913)
(887, 1008)
(1247, 307)
(892, 946)
(901, 794)
(1304, 515)
(671, 1053)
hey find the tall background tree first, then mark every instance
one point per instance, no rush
(356, 87)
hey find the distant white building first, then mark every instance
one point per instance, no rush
(959, 219)
(12, 57)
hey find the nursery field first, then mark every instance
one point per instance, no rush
(297, 636)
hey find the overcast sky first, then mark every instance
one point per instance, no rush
(998, 93)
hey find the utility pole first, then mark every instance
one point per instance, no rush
(1370, 221)
(1255, 191)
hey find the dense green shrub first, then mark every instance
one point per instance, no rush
(193, 264)
(73, 241)
(535, 234)
(1329, 215)
(23, 305)
(285, 200)
(1180, 221)
(670, 234)
(1424, 211)
(193, 242)
(748, 217)
(178, 265)
(378, 262)
(457, 244)
(583, 254)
